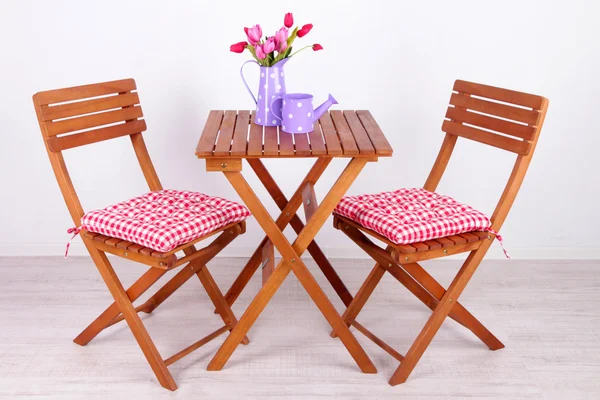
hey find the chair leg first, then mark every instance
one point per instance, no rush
(218, 300)
(173, 284)
(362, 296)
(192, 268)
(250, 316)
(106, 318)
(133, 320)
(440, 313)
(459, 313)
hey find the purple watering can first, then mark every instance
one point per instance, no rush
(297, 113)
(271, 85)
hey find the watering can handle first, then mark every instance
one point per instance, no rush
(278, 97)
(244, 79)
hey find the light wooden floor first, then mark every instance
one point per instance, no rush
(546, 312)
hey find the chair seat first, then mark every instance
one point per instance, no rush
(414, 216)
(164, 219)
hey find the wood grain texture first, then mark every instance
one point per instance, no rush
(492, 108)
(380, 142)
(301, 144)
(499, 125)
(96, 135)
(553, 341)
(206, 144)
(500, 94)
(223, 144)
(317, 144)
(270, 144)
(255, 138)
(93, 120)
(85, 91)
(360, 134)
(346, 138)
(240, 135)
(481, 136)
(286, 143)
(89, 106)
(342, 136)
(332, 141)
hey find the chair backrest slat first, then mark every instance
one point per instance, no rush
(501, 118)
(489, 107)
(96, 135)
(495, 93)
(82, 115)
(481, 136)
(495, 124)
(93, 120)
(89, 106)
(485, 120)
(85, 91)
(96, 112)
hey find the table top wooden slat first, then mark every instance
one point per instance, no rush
(233, 134)
(380, 142)
(346, 137)
(206, 144)
(240, 134)
(223, 145)
(286, 143)
(271, 147)
(255, 138)
(317, 145)
(302, 146)
(360, 135)
(332, 141)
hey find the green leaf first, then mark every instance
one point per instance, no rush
(292, 36)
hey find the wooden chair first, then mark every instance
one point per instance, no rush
(501, 118)
(89, 110)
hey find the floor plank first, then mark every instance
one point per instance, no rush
(544, 311)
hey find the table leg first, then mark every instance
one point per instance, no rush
(313, 248)
(291, 260)
(288, 216)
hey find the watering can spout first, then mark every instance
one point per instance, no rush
(324, 107)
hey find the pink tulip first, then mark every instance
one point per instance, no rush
(260, 54)
(254, 34)
(281, 39)
(269, 45)
(317, 47)
(304, 30)
(238, 47)
(288, 21)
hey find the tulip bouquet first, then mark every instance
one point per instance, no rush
(263, 50)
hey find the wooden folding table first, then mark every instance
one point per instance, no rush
(231, 136)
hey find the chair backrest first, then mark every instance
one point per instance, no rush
(82, 115)
(497, 117)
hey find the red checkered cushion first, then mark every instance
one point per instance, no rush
(409, 216)
(164, 219)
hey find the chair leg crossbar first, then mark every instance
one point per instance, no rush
(442, 302)
(122, 308)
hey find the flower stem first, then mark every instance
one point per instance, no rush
(298, 51)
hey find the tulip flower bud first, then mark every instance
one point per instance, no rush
(238, 47)
(304, 30)
(288, 21)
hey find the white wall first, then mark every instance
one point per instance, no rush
(399, 61)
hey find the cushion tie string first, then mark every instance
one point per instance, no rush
(75, 231)
(493, 232)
